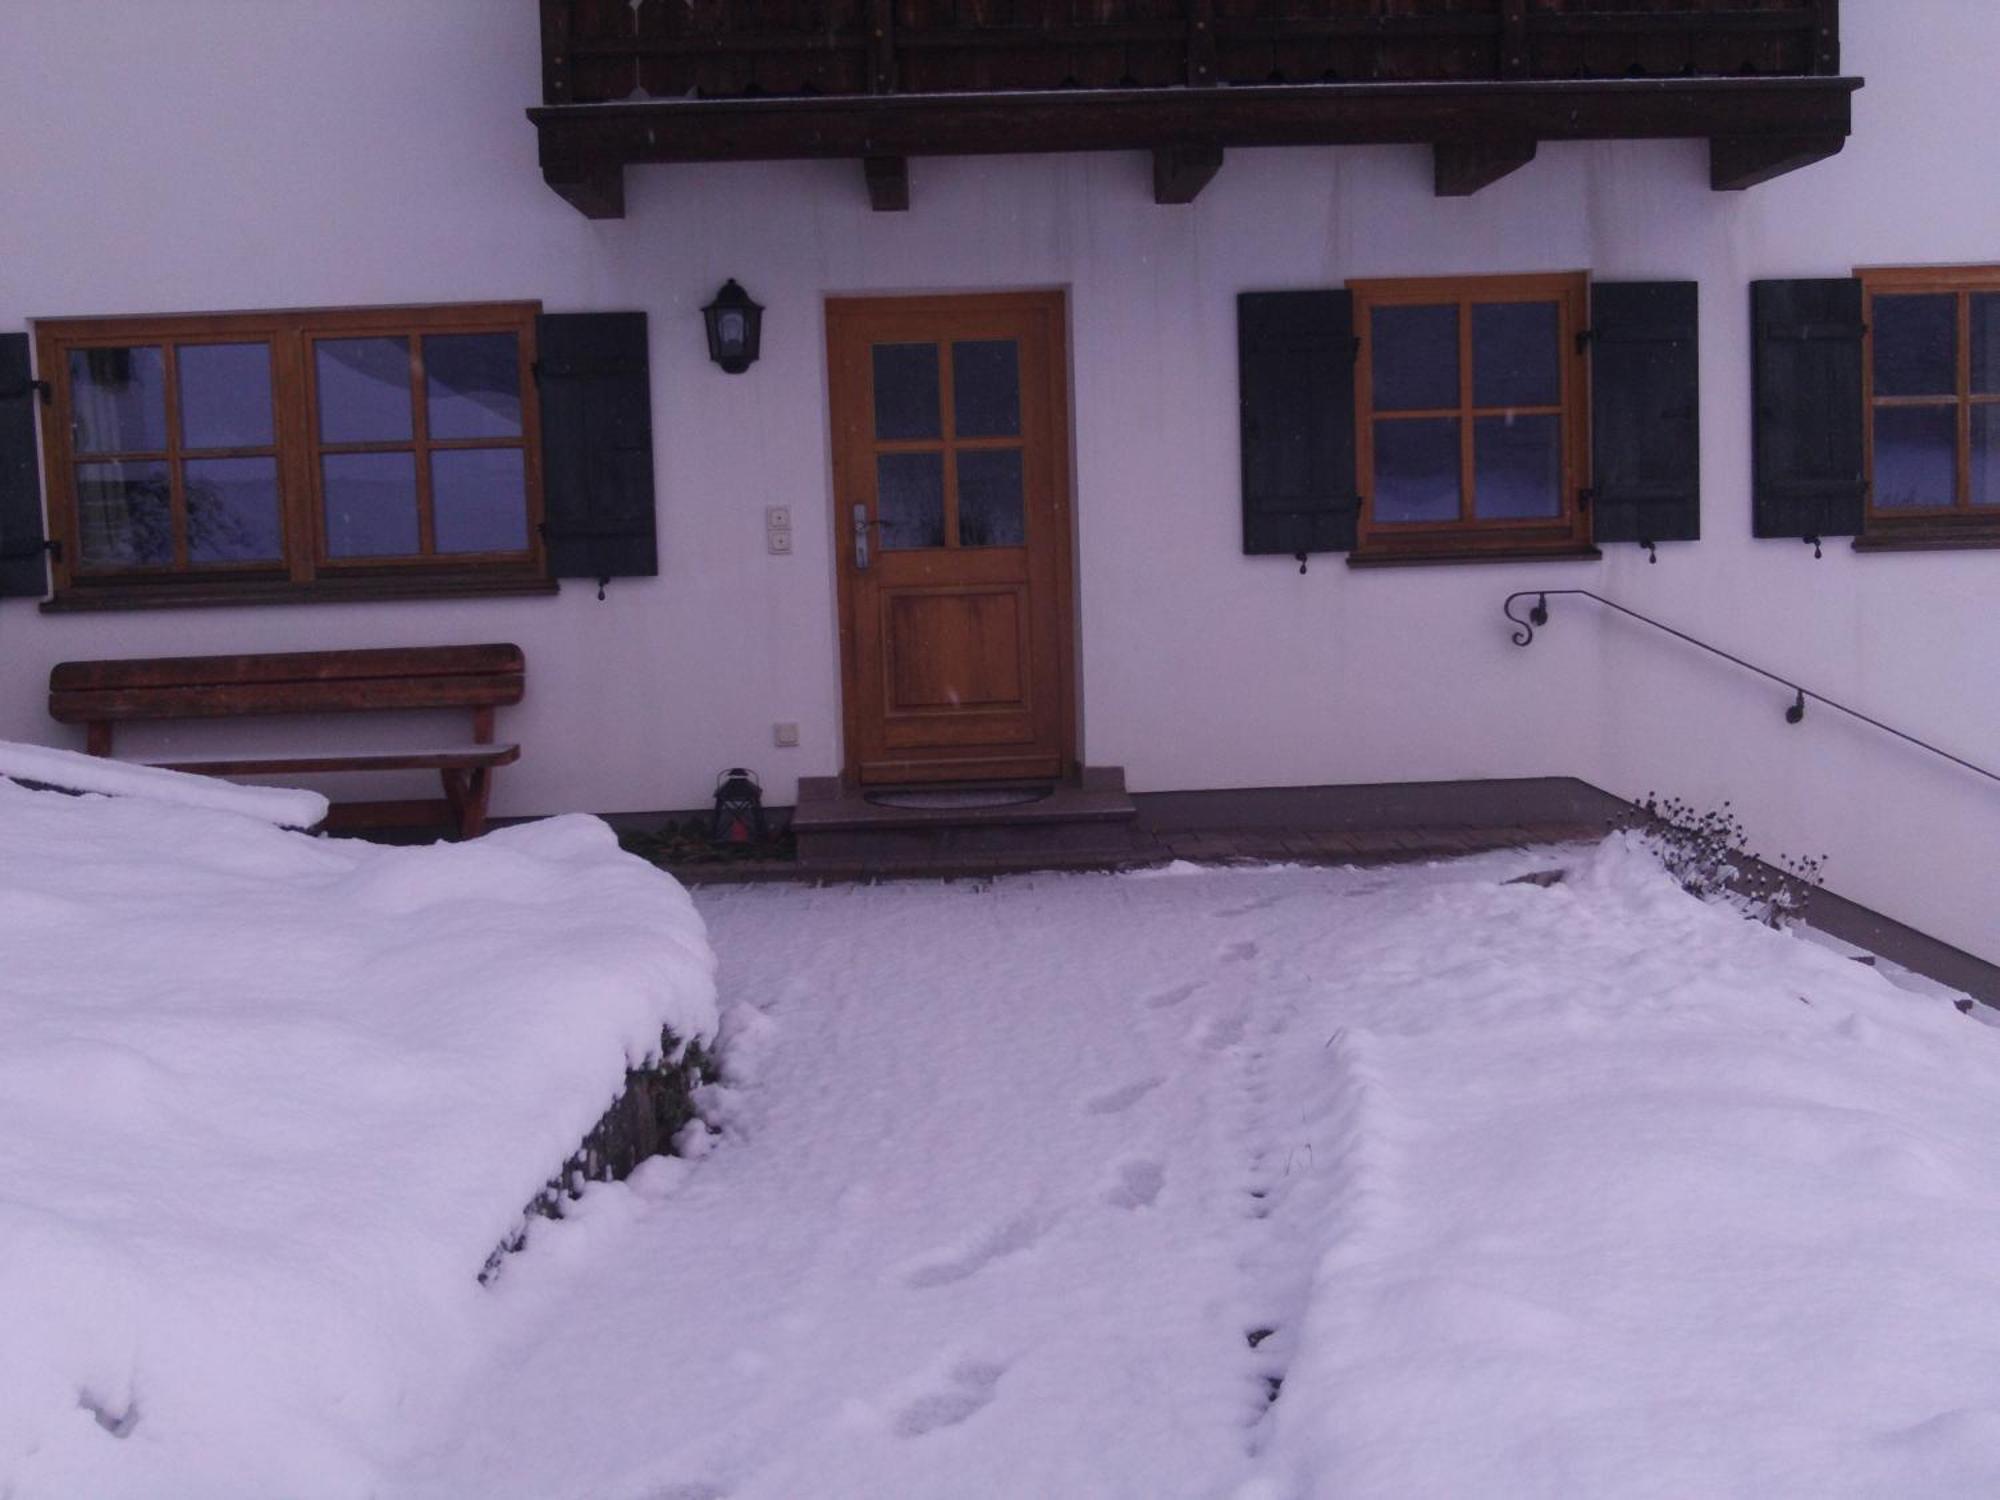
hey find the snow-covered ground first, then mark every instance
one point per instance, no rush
(1590, 1190)
(267, 1102)
(1042, 1187)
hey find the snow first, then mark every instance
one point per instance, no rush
(1585, 1190)
(267, 1102)
(1040, 1186)
(285, 806)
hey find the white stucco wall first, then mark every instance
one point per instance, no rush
(219, 154)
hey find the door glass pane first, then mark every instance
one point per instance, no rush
(986, 388)
(364, 390)
(232, 509)
(1515, 358)
(371, 504)
(118, 400)
(906, 392)
(1986, 343)
(125, 514)
(1516, 467)
(1916, 345)
(225, 395)
(1986, 454)
(480, 498)
(1416, 470)
(990, 512)
(1415, 355)
(1916, 455)
(909, 500)
(474, 384)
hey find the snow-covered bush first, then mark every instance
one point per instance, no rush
(1707, 853)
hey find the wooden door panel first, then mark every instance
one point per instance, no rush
(951, 479)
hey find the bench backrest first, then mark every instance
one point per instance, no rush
(295, 682)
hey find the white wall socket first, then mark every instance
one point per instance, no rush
(785, 736)
(778, 541)
(778, 517)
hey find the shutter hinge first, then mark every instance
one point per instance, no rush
(535, 370)
(1652, 552)
(41, 388)
(1355, 353)
(22, 551)
(1585, 337)
(1813, 542)
(1586, 498)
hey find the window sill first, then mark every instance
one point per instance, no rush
(1943, 537)
(223, 595)
(1440, 556)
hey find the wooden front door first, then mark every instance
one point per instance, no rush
(951, 504)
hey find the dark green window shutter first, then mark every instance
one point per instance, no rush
(1811, 475)
(23, 565)
(1295, 371)
(597, 445)
(1645, 389)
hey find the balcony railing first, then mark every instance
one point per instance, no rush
(884, 79)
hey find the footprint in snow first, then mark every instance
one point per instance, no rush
(1223, 1032)
(1118, 1100)
(1237, 953)
(1138, 1185)
(971, 1389)
(1166, 999)
(1262, 903)
(1010, 1238)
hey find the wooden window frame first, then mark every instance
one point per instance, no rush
(1468, 538)
(305, 571)
(1960, 524)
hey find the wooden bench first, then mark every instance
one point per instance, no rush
(100, 694)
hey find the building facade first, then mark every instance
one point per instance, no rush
(211, 158)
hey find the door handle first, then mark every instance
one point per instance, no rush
(861, 538)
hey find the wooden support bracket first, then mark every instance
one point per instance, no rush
(1460, 169)
(1736, 162)
(1181, 172)
(596, 191)
(888, 183)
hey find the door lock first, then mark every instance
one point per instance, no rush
(861, 538)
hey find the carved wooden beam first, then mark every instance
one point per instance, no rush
(888, 183)
(1459, 170)
(597, 191)
(1736, 162)
(1181, 172)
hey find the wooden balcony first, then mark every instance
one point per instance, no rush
(878, 81)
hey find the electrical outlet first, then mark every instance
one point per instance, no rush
(785, 736)
(778, 517)
(779, 542)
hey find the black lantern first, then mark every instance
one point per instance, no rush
(739, 808)
(735, 325)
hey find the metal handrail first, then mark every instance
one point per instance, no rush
(1538, 615)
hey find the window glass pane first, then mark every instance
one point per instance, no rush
(364, 390)
(1916, 455)
(125, 514)
(118, 400)
(906, 392)
(232, 510)
(371, 504)
(1416, 470)
(989, 498)
(909, 500)
(480, 498)
(1986, 343)
(225, 395)
(1415, 353)
(1516, 467)
(1916, 345)
(474, 384)
(1986, 454)
(986, 388)
(1515, 358)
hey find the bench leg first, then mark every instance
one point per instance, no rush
(467, 792)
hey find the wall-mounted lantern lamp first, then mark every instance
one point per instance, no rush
(735, 326)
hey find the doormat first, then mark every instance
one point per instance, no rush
(958, 799)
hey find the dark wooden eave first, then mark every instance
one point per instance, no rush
(1757, 127)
